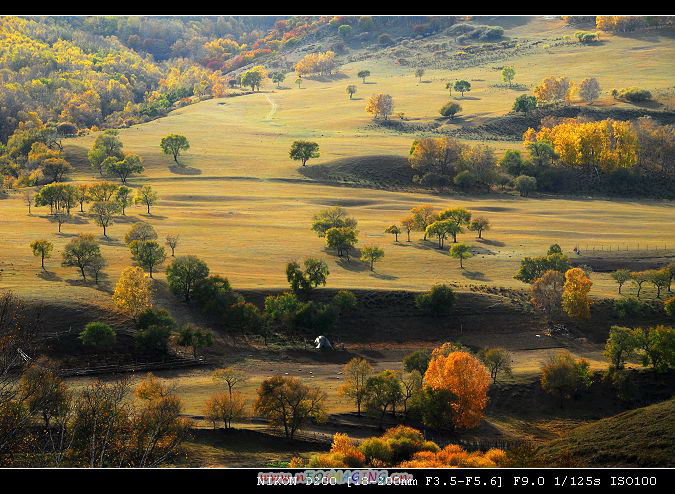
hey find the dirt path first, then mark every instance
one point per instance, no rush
(273, 110)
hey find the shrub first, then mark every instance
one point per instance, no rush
(450, 109)
(627, 307)
(465, 180)
(525, 185)
(635, 94)
(437, 302)
(669, 307)
(385, 40)
(98, 335)
(344, 301)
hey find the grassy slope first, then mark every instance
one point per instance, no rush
(637, 438)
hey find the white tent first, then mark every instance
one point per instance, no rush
(322, 343)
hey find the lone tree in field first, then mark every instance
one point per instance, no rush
(497, 361)
(395, 231)
(462, 86)
(140, 231)
(288, 403)
(184, 273)
(133, 292)
(508, 73)
(419, 73)
(356, 373)
(351, 90)
(564, 376)
(42, 249)
(479, 225)
(380, 105)
(172, 240)
(621, 276)
(298, 81)
(81, 252)
(278, 78)
(363, 74)
(304, 151)
(28, 198)
(173, 144)
(371, 254)
(145, 195)
(147, 254)
(450, 109)
(461, 252)
(104, 213)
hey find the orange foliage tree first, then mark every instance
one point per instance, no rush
(575, 300)
(465, 377)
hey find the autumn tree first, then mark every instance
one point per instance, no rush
(133, 292)
(81, 252)
(575, 300)
(140, 231)
(461, 252)
(230, 377)
(147, 254)
(304, 151)
(380, 105)
(441, 155)
(226, 408)
(44, 391)
(184, 273)
(355, 374)
(546, 292)
(145, 195)
(554, 90)
(288, 403)
(408, 224)
(394, 230)
(467, 379)
(497, 361)
(42, 249)
(173, 144)
(589, 90)
(371, 254)
(56, 169)
(101, 192)
(564, 376)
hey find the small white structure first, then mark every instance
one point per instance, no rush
(322, 343)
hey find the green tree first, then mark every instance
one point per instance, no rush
(497, 361)
(342, 240)
(355, 374)
(147, 254)
(525, 185)
(335, 217)
(525, 104)
(437, 302)
(345, 30)
(140, 231)
(81, 252)
(417, 360)
(383, 392)
(371, 254)
(104, 214)
(462, 86)
(351, 90)
(394, 230)
(315, 273)
(98, 335)
(173, 144)
(123, 168)
(564, 376)
(363, 74)
(479, 225)
(450, 109)
(106, 145)
(194, 337)
(621, 345)
(145, 195)
(621, 276)
(123, 198)
(461, 252)
(304, 151)
(42, 249)
(419, 73)
(278, 78)
(184, 273)
(508, 74)
(532, 268)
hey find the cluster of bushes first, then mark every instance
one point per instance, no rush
(632, 94)
(586, 37)
(466, 32)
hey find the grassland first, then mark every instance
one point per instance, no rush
(244, 207)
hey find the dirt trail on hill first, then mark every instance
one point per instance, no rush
(274, 105)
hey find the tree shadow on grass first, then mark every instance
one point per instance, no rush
(126, 219)
(353, 264)
(112, 241)
(48, 276)
(103, 284)
(153, 216)
(381, 276)
(184, 170)
(474, 275)
(494, 243)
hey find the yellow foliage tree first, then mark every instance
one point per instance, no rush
(575, 299)
(465, 377)
(133, 291)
